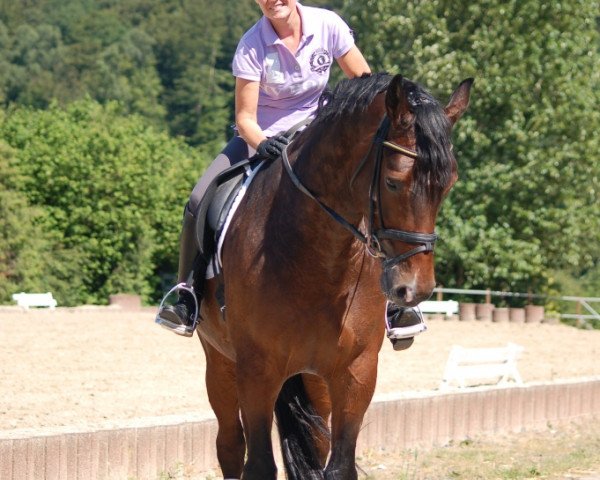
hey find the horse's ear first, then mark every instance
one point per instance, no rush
(395, 100)
(459, 101)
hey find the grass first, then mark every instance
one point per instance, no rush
(566, 452)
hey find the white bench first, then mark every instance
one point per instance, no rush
(481, 366)
(26, 300)
(447, 307)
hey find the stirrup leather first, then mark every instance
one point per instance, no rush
(185, 287)
(400, 333)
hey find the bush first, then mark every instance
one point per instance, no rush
(102, 193)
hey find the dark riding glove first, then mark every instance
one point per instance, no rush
(272, 147)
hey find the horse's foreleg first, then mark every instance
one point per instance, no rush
(222, 395)
(258, 387)
(351, 393)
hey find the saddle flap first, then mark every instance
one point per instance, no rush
(222, 200)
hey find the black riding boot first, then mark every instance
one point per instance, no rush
(403, 325)
(179, 317)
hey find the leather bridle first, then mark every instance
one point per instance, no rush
(372, 238)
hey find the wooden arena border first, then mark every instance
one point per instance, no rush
(145, 449)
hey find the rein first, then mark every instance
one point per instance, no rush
(372, 238)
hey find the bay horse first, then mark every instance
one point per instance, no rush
(312, 254)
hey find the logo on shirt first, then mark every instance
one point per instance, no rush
(320, 61)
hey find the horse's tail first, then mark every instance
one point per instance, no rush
(297, 422)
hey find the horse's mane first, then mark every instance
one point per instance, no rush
(432, 127)
(433, 169)
(350, 96)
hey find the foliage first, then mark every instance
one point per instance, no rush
(109, 189)
(168, 61)
(527, 199)
(25, 252)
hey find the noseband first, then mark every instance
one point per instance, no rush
(372, 238)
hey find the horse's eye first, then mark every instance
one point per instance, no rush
(392, 185)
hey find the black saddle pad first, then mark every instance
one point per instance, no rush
(215, 204)
(221, 203)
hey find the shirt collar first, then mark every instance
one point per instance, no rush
(270, 36)
(307, 21)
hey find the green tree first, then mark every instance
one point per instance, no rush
(34, 55)
(125, 71)
(169, 61)
(528, 148)
(110, 188)
(196, 91)
(31, 258)
(4, 62)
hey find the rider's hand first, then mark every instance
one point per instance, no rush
(272, 147)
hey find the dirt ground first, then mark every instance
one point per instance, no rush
(84, 367)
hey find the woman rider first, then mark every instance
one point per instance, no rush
(281, 67)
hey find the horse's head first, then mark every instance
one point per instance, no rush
(413, 168)
(416, 170)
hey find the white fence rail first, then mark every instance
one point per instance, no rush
(580, 302)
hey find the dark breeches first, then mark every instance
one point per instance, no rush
(235, 151)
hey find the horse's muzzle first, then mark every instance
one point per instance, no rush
(405, 289)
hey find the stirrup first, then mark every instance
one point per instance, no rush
(401, 333)
(180, 329)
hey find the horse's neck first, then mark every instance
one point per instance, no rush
(326, 170)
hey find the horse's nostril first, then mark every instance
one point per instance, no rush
(401, 292)
(405, 293)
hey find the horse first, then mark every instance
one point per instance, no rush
(322, 239)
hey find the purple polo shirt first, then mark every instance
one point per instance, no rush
(290, 85)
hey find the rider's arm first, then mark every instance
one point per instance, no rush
(353, 63)
(246, 105)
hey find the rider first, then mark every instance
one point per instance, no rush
(281, 67)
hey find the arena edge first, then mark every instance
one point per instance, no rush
(146, 448)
